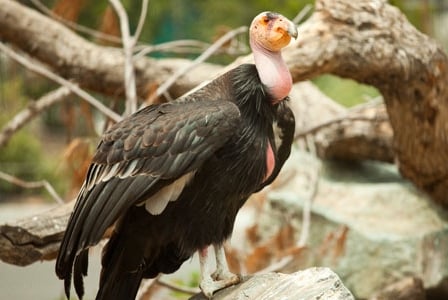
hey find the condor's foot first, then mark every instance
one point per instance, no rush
(210, 286)
(221, 278)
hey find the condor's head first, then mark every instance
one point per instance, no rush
(269, 33)
(272, 31)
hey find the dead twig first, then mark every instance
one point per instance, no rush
(32, 111)
(306, 216)
(149, 283)
(306, 212)
(32, 185)
(302, 13)
(313, 130)
(35, 66)
(177, 288)
(128, 48)
(180, 46)
(144, 288)
(141, 21)
(201, 58)
(76, 27)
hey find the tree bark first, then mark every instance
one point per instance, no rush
(26, 241)
(93, 67)
(313, 283)
(372, 42)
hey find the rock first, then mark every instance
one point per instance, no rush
(409, 288)
(313, 283)
(367, 224)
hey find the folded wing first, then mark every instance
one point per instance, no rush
(138, 157)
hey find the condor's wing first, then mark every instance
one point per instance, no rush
(136, 158)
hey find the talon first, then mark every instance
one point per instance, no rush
(219, 275)
(210, 286)
(221, 278)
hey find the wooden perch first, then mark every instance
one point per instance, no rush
(35, 238)
(313, 283)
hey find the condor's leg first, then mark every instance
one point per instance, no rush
(222, 272)
(224, 278)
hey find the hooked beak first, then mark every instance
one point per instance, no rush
(292, 30)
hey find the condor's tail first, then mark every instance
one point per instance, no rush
(124, 266)
(122, 271)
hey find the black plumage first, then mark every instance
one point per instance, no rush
(171, 179)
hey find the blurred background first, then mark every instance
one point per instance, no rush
(57, 146)
(34, 153)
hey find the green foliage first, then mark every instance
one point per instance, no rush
(193, 282)
(345, 91)
(24, 156)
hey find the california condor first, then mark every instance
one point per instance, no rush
(171, 177)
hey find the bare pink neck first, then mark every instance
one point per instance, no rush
(273, 72)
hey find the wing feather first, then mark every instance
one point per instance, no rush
(136, 158)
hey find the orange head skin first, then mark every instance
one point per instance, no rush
(272, 31)
(269, 33)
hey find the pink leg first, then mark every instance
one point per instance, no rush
(222, 269)
(222, 275)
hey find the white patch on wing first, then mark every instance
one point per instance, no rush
(157, 203)
(105, 173)
(129, 169)
(110, 172)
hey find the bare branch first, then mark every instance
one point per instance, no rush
(32, 185)
(306, 213)
(180, 46)
(286, 260)
(33, 110)
(128, 46)
(323, 125)
(201, 58)
(302, 14)
(141, 20)
(145, 286)
(177, 288)
(35, 66)
(94, 33)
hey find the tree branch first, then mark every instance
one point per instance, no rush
(32, 185)
(33, 110)
(94, 33)
(36, 67)
(93, 67)
(200, 59)
(372, 42)
(128, 47)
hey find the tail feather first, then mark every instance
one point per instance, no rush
(122, 286)
(80, 270)
(122, 268)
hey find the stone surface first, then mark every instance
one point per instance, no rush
(313, 283)
(367, 224)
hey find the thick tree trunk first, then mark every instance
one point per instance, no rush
(372, 42)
